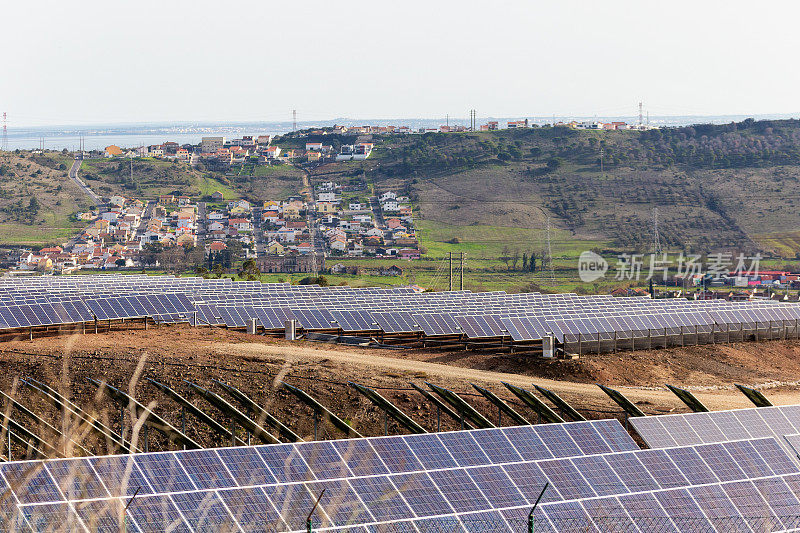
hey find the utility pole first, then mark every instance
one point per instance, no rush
(450, 284)
(550, 252)
(461, 271)
(4, 142)
(656, 239)
(640, 115)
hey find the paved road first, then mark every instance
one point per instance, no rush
(375, 205)
(317, 239)
(147, 214)
(73, 173)
(201, 218)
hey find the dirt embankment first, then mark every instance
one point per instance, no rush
(257, 364)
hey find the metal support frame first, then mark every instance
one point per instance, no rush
(62, 403)
(465, 410)
(441, 407)
(628, 406)
(389, 409)
(261, 414)
(198, 413)
(565, 408)
(150, 418)
(245, 421)
(307, 399)
(689, 399)
(541, 409)
(755, 396)
(502, 407)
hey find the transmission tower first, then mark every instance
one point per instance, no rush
(640, 115)
(4, 143)
(550, 253)
(656, 239)
(294, 120)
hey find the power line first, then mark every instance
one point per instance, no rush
(656, 239)
(550, 252)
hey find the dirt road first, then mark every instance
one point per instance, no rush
(585, 393)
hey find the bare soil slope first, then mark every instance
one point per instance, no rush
(257, 364)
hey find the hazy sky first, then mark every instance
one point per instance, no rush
(111, 61)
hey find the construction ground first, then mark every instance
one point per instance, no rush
(257, 365)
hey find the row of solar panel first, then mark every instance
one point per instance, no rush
(139, 306)
(49, 314)
(718, 426)
(165, 308)
(414, 495)
(765, 504)
(520, 328)
(175, 471)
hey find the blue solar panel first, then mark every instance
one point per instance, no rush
(360, 457)
(246, 466)
(464, 448)
(286, 463)
(430, 451)
(205, 470)
(460, 490)
(496, 486)
(164, 472)
(396, 454)
(31, 481)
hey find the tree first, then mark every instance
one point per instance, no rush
(554, 163)
(524, 262)
(514, 259)
(532, 262)
(505, 257)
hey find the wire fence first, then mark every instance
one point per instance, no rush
(606, 524)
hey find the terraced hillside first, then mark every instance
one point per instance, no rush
(730, 187)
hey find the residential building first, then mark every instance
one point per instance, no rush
(212, 145)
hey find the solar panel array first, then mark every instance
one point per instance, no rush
(521, 317)
(718, 426)
(599, 480)
(368, 480)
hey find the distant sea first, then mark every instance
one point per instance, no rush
(130, 135)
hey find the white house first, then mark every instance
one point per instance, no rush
(356, 206)
(216, 226)
(241, 224)
(388, 195)
(339, 243)
(287, 234)
(327, 197)
(390, 205)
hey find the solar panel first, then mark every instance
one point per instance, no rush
(718, 426)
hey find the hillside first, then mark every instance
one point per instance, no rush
(714, 186)
(37, 199)
(152, 177)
